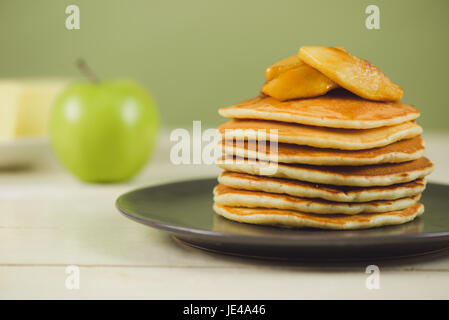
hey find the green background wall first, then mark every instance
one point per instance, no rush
(198, 55)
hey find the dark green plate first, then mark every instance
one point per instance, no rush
(185, 210)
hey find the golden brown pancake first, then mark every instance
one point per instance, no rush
(227, 196)
(221, 224)
(337, 109)
(401, 151)
(319, 137)
(297, 219)
(359, 176)
(312, 190)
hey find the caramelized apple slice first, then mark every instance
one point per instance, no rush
(300, 82)
(354, 74)
(282, 66)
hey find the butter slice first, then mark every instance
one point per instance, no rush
(25, 106)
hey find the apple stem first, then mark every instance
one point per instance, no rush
(87, 71)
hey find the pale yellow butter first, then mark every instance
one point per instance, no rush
(25, 106)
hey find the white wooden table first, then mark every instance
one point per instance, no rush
(49, 220)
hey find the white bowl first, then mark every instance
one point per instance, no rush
(23, 152)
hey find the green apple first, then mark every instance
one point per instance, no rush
(105, 131)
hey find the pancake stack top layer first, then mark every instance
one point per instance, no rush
(343, 151)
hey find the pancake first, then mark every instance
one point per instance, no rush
(337, 109)
(221, 224)
(297, 219)
(363, 176)
(311, 190)
(319, 137)
(231, 197)
(401, 151)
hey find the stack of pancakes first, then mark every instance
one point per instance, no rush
(342, 162)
